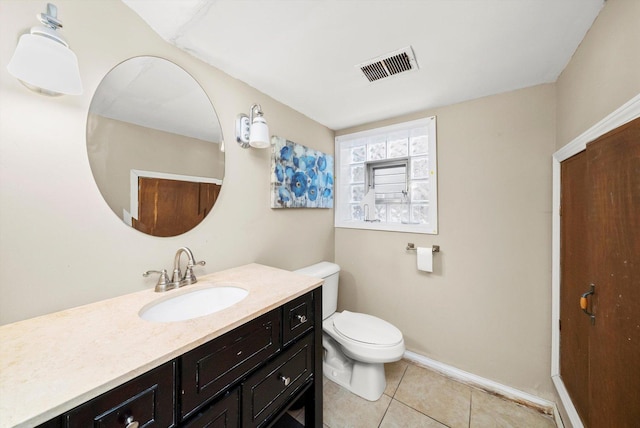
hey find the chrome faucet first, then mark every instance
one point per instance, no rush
(177, 279)
(189, 277)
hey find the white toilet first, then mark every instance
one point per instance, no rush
(356, 346)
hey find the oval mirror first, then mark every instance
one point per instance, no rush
(155, 146)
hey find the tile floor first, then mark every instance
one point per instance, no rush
(418, 397)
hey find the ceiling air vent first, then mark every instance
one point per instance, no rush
(390, 64)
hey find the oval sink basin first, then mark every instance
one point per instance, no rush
(193, 304)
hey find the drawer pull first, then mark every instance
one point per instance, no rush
(239, 353)
(285, 380)
(130, 423)
(301, 318)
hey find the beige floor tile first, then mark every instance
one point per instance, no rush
(342, 409)
(400, 416)
(298, 415)
(393, 373)
(441, 398)
(488, 411)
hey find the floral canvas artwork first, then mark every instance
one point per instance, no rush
(300, 177)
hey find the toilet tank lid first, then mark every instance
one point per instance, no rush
(320, 270)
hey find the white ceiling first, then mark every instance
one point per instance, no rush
(304, 53)
(136, 91)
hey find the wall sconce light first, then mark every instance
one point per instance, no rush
(43, 61)
(252, 130)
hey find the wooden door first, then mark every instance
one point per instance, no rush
(600, 245)
(614, 258)
(574, 325)
(172, 207)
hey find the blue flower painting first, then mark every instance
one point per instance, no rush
(300, 177)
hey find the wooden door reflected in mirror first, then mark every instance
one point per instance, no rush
(172, 207)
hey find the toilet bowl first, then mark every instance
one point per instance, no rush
(356, 345)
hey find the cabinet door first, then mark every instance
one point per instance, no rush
(298, 317)
(224, 413)
(614, 260)
(271, 387)
(213, 367)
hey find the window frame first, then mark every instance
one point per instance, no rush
(342, 202)
(372, 166)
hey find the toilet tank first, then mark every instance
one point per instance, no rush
(329, 272)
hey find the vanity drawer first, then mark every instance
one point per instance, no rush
(148, 399)
(224, 413)
(269, 388)
(298, 317)
(214, 366)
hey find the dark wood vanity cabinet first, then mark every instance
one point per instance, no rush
(247, 377)
(272, 360)
(210, 369)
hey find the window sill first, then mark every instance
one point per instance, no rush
(390, 227)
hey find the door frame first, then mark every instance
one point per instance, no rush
(626, 113)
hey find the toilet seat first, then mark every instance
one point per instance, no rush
(367, 329)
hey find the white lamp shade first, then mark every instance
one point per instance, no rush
(45, 64)
(259, 135)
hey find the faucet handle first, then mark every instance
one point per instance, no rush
(189, 277)
(163, 279)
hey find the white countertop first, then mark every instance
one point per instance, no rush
(52, 363)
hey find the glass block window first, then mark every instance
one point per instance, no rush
(387, 179)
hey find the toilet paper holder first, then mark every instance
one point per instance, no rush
(412, 247)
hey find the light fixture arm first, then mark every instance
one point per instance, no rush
(258, 112)
(252, 130)
(50, 25)
(50, 18)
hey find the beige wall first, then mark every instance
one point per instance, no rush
(486, 309)
(603, 74)
(60, 244)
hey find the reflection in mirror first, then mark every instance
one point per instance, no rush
(155, 146)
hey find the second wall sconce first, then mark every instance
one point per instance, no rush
(252, 130)
(43, 61)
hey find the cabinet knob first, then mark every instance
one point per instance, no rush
(130, 423)
(302, 318)
(285, 380)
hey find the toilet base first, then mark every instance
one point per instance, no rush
(366, 380)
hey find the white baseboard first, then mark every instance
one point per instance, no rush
(545, 406)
